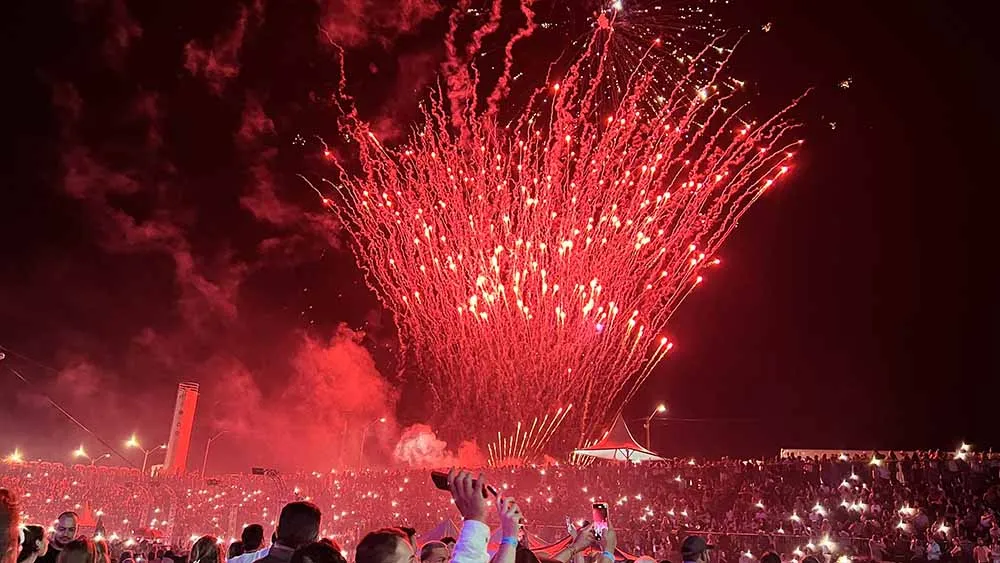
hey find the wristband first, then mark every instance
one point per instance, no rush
(509, 540)
(609, 555)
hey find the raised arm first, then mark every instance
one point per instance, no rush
(468, 493)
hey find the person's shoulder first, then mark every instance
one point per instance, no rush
(276, 556)
(258, 555)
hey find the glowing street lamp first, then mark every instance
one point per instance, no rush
(660, 409)
(364, 436)
(80, 452)
(133, 442)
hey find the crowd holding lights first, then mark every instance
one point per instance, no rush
(568, 229)
(792, 505)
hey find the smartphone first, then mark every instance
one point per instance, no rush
(440, 480)
(600, 516)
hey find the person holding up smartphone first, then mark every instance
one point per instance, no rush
(470, 500)
(587, 537)
(608, 543)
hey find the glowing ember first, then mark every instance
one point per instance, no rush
(533, 253)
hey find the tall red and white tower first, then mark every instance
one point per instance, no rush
(180, 429)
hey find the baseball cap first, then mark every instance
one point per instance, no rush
(693, 546)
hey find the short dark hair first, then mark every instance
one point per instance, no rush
(253, 537)
(448, 540)
(298, 524)
(318, 552)
(69, 513)
(770, 557)
(332, 543)
(378, 546)
(427, 548)
(235, 549)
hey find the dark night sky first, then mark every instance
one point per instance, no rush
(155, 231)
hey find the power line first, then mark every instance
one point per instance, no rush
(29, 359)
(59, 407)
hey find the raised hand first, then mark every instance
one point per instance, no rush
(609, 540)
(468, 494)
(585, 537)
(510, 517)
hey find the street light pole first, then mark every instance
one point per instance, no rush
(145, 455)
(204, 462)
(133, 442)
(94, 461)
(364, 436)
(661, 408)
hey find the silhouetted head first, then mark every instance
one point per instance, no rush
(298, 524)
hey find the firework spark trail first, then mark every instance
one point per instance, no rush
(501, 88)
(524, 446)
(536, 262)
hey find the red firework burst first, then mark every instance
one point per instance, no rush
(535, 262)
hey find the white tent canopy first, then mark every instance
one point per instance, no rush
(619, 445)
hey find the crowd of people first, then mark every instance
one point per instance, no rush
(920, 507)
